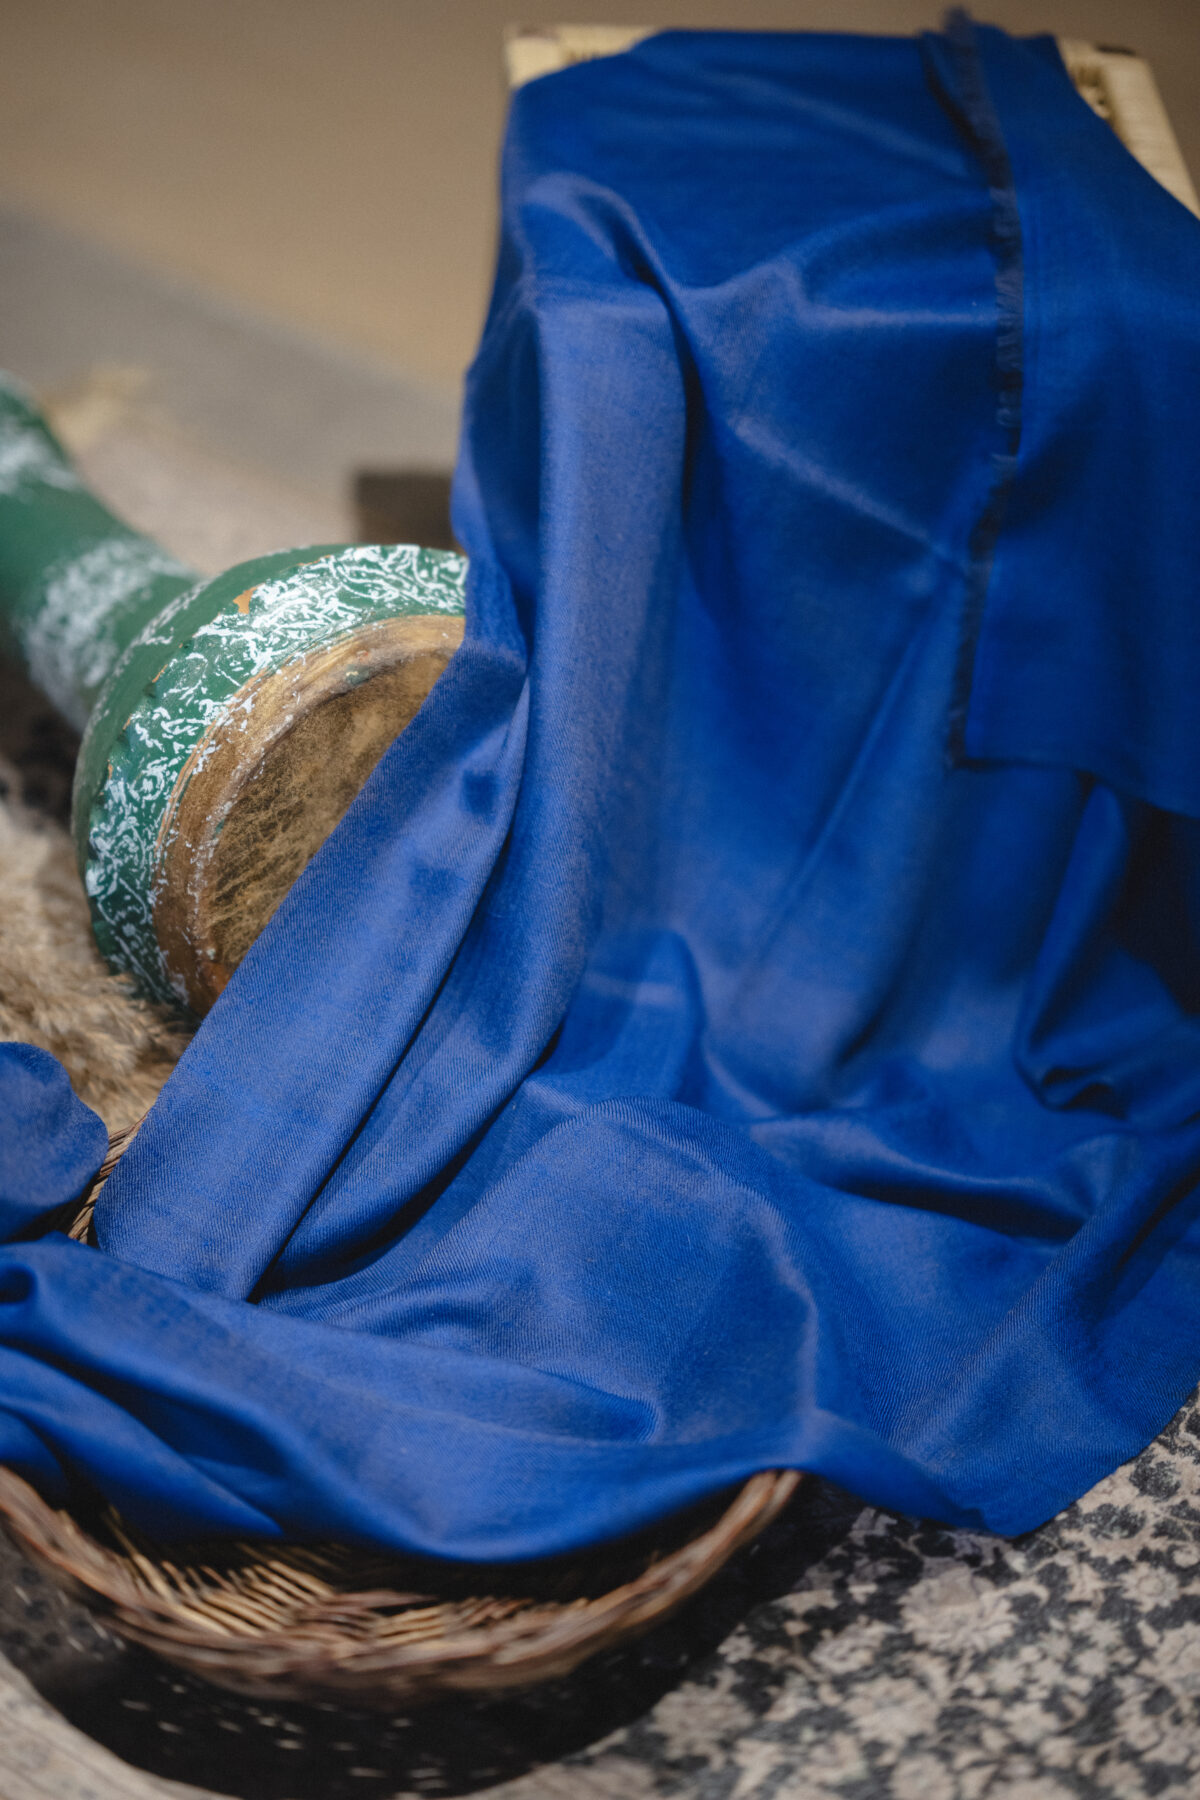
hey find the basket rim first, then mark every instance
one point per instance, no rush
(535, 1641)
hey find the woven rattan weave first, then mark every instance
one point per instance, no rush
(326, 1622)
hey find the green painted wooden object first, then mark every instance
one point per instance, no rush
(227, 721)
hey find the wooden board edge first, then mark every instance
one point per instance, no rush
(534, 50)
(1120, 87)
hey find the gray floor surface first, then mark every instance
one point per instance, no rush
(260, 400)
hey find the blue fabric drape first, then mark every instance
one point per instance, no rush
(750, 1018)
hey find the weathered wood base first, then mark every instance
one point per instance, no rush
(269, 780)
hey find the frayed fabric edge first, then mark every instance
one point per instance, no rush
(963, 88)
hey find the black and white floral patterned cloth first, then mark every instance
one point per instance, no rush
(913, 1663)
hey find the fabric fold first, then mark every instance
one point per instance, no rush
(736, 1027)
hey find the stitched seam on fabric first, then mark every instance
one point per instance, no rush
(982, 126)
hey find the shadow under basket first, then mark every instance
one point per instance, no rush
(326, 1622)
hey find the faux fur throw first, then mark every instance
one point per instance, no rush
(54, 989)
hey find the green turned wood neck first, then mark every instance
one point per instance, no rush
(76, 585)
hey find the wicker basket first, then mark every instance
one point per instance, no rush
(325, 1622)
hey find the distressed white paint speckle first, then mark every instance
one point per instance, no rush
(70, 641)
(28, 459)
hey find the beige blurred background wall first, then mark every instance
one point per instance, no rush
(331, 163)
